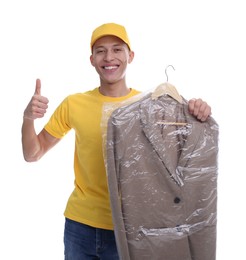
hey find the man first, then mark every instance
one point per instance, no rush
(88, 227)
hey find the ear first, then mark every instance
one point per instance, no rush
(92, 60)
(131, 56)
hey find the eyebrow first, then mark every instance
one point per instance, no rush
(114, 45)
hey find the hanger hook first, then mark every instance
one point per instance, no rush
(166, 70)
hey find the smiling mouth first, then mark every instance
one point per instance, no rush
(110, 67)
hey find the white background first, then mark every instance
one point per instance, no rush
(203, 40)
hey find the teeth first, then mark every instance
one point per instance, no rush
(110, 67)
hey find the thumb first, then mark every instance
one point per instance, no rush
(38, 87)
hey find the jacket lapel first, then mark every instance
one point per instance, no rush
(173, 144)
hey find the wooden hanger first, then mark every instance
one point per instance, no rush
(166, 88)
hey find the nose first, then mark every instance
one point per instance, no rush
(109, 55)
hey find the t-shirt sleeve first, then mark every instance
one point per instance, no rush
(58, 124)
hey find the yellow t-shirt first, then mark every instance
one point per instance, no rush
(89, 202)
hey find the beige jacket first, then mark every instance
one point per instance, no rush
(162, 178)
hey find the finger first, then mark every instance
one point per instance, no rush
(194, 106)
(42, 103)
(38, 87)
(201, 110)
(191, 105)
(206, 113)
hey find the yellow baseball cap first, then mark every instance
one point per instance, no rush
(110, 29)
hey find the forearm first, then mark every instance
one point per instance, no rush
(30, 142)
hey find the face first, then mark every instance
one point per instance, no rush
(110, 57)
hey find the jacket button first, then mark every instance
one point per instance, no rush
(177, 200)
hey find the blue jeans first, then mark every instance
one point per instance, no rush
(84, 242)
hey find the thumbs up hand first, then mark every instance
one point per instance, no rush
(38, 104)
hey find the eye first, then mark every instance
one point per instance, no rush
(117, 49)
(98, 51)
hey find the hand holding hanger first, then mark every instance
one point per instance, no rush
(197, 107)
